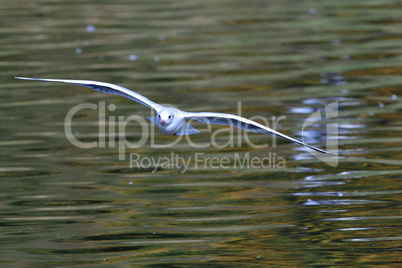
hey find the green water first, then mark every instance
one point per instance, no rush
(66, 206)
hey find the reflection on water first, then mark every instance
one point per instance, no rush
(65, 206)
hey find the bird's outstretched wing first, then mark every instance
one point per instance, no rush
(243, 123)
(106, 88)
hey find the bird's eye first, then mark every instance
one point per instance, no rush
(170, 116)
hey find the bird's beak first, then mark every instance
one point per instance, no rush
(163, 122)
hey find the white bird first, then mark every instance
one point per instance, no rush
(172, 121)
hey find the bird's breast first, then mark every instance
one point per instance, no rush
(172, 128)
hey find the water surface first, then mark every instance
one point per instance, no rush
(67, 206)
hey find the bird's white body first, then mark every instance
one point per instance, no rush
(172, 121)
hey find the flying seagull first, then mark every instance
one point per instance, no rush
(172, 121)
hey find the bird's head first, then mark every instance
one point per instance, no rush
(165, 117)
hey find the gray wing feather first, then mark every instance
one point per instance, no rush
(105, 88)
(243, 123)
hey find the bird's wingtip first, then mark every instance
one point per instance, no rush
(319, 150)
(24, 78)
